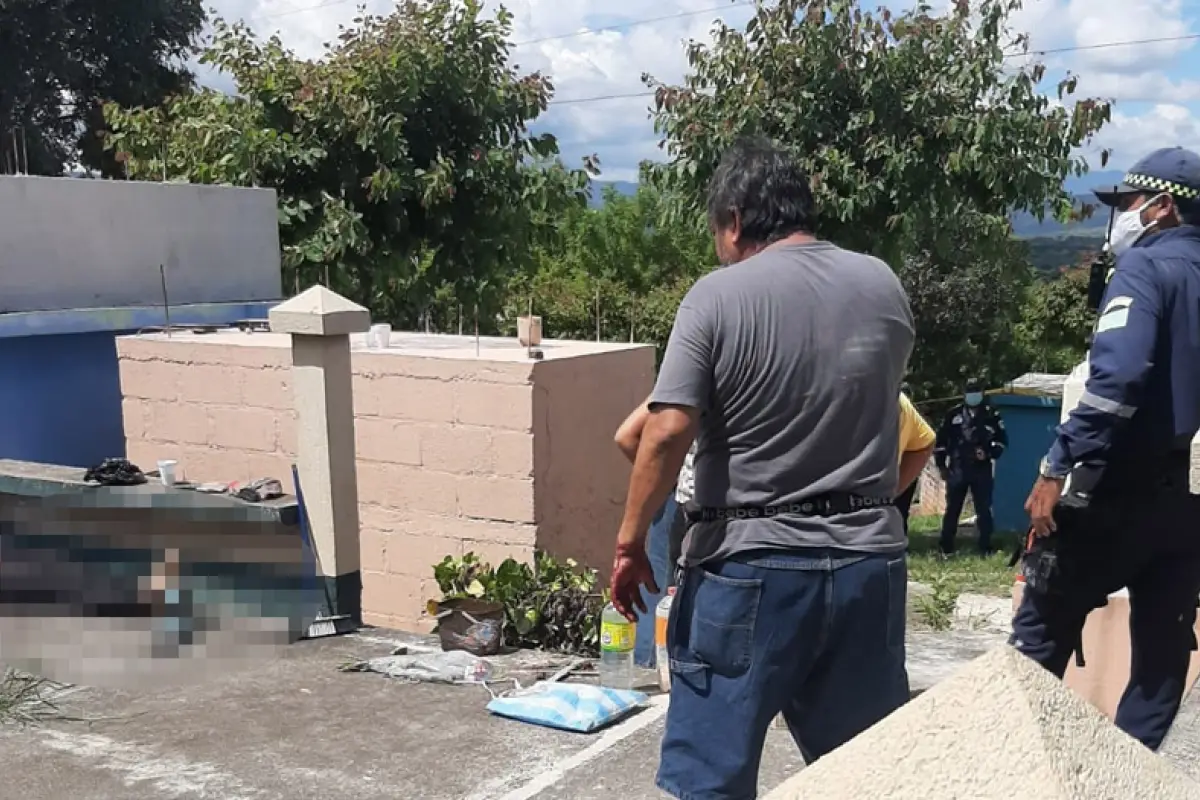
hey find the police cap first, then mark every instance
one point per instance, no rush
(1172, 170)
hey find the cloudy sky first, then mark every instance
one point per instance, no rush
(1156, 84)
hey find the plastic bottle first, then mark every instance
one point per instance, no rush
(662, 659)
(616, 649)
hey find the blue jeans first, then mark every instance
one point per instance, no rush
(658, 548)
(818, 636)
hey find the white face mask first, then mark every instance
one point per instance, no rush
(1128, 228)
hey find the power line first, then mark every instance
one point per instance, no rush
(1056, 51)
(556, 37)
(632, 24)
(290, 11)
(599, 98)
(1106, 45)
(730, 7)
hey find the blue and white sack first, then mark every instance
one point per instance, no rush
(568, 706)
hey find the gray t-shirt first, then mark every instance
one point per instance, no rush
(794, 358)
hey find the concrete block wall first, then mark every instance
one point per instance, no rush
(445, 466)
(454, 455)
(224, 413)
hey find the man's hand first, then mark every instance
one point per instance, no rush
(631, 570)
(1040, 505)
(980, 454)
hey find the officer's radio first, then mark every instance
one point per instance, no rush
(1102, 267)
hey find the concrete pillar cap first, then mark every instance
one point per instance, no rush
(319, 312)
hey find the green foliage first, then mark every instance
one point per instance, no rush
(1050, 254)
(616, 272)
(966, 300)
(59, 59)
(409, 182)
(903, 121)
(937, 607)
(547, 605)
(920, 139)
(405, 170)
(1056, 321)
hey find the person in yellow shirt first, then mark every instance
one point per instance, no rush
(917, 439)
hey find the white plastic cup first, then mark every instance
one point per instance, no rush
(380, 336)
(166, 471)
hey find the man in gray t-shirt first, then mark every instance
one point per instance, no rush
(795, 357)
(784, 369)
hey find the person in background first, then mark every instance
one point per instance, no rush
(916, 446)
(970, 439)
(665, 538)
(783, 368)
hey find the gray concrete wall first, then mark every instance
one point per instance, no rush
(68, 243)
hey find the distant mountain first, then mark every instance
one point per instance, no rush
(1093, 180)
(1049, 254)
(625, 188)
(1025, 225)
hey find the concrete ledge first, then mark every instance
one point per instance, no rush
(26, 479)
(131, 318)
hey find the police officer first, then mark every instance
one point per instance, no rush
(970, 438)
(1112, 508)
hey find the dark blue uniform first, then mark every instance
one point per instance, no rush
(1133, 426)
(969, 439)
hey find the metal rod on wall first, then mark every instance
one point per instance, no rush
(632, 315)
(529, 333)
(162, 276)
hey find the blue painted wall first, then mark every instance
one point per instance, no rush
(1030, 422)
(60, 399)
(60, 384)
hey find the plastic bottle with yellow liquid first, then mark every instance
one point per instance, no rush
(616, 649)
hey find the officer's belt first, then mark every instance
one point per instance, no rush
(825, 505)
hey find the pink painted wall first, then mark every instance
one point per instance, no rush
(498, 456)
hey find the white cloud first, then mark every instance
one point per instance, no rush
(1152, 86)
(605, 63)
(1098, 22)
(1130, 137)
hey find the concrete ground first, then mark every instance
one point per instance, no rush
(297, 728)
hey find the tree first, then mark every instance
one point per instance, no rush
(967, 303)
(902, 121)
(616, 271)
(406, 174)
(916, 129)
(1056, 320)
(63, 58)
